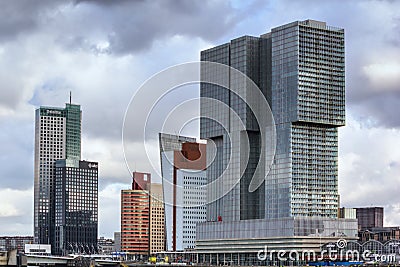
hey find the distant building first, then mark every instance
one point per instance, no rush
(57, 136)
(105, 246)
(157, 223)
(117, 241)
(347, 213)
(8, 243)
(65, 188)
(37, 249)
(183, 164)
(369, 217)
(76, 207)
(381, 234)
(142, 217)
(135, 212)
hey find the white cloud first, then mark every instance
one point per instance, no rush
(383, 76)
(16, 217)
(369, 167)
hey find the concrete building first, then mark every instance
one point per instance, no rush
(183, 164)
(8, 243)
(157, 220)
(142, 217)
(299, 68)
(76, 207)
(369, 217)
(105, 246)
(117, 241)
(347, 213)
(135, 222)
(37, 249)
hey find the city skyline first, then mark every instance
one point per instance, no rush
(82, 62)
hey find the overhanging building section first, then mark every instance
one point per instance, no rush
(299, 68)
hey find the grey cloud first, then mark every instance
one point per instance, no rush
(22, 16)
(16, 160)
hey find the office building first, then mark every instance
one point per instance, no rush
(105, 246)
(65, 188)
(157, 220)
(135, 219)
(183, 164)
(299, 68)
(369, 217)
(57, 136)
(76, 207)
(8, 243)
(142, 217)
(347, 213)
(117, 241)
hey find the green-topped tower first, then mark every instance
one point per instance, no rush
(57, 136)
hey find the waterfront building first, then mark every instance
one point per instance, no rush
(183, 164)
(299, 68)
(76, 207)
(142, 217)
(57, 136)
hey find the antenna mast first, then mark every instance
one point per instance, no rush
(70, 97)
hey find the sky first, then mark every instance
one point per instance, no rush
(102, 51)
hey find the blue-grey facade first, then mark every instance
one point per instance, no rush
(57, 136)
(300, 69)
(76, 207)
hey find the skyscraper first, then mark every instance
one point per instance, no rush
(157, 219)
(76, 207)
(57, 136)
(183, 164)
(299, 68)
(142, 217)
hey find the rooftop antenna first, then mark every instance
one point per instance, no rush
(70, 97)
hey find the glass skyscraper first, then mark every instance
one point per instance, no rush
(76, 204)
(59, 177)
(300, 69)
(57, 136)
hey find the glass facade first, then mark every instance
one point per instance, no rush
(57, 136)
(227, 133)
(307, 96)
(299, 67)
(76, 207)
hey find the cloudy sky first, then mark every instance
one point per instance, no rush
(103, 51)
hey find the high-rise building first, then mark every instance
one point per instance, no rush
(76, 207)
(157, 221)
(65, 188)
(369, 217)
(135, 216)
(142, 217)
(299, 68)
(57, 136)
(183, 164)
